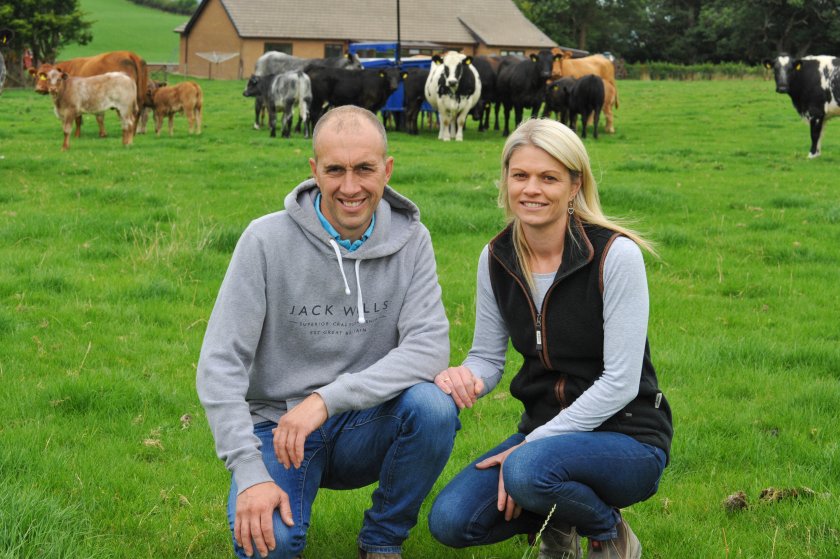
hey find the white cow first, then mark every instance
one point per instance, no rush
(452, 88)
(74, 96)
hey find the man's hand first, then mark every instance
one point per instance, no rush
(461, 384)
(254, 508)
(295, 426)
(504, 502)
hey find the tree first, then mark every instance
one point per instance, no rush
(691, 31)
(568, 22)
(43, 26)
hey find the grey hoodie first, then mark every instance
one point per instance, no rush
(298, 314)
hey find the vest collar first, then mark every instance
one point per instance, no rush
(577, 250)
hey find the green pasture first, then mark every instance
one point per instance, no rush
(112, 258)
(123, 25)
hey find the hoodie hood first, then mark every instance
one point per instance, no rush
(397, 221)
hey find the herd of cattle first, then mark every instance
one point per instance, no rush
(115, 80)
(455, 85)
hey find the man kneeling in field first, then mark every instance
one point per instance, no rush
(310, 383)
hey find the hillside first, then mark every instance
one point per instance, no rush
(121, 25)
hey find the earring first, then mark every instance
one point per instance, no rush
(571, 208)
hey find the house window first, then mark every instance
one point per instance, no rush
(333, 50)
(507, 52)
(414, 52)
(282, 47)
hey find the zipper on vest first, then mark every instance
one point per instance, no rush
(539, 332)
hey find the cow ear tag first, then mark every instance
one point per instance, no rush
(42, 77)
(798, 66)
(555, 88)
(381, 74)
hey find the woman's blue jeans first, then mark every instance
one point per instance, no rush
(586, 475)
(403, 444)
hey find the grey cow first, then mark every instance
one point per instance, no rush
(276, 62)
(284, 91)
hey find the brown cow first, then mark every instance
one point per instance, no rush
(597, 64)
(123, 61)
(96, 94)
(185, 97)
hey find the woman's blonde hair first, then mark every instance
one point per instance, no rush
(562, 144)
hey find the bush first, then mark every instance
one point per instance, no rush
(689, 72)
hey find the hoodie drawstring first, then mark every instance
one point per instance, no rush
(359, 301)
(340, 267)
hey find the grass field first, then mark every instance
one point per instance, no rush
(112, 257)
(122, 25)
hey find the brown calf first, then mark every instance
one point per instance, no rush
(73, 97)
(148, 107)
(185, 97)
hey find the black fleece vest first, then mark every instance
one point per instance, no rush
(562, 342)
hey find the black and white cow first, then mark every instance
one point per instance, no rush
(813, 83)
(452, 88)
(284, 91)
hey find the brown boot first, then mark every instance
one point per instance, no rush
(559, 541)
(625, 546)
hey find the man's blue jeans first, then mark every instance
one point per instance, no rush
(403, 444)
(587, 475)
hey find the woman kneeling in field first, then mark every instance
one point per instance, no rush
(567, 286)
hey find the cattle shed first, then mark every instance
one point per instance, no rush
(224, 38)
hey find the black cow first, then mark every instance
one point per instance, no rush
(498, 62)
(522, 84)
(284, 90)
(586, 97)
(414, 81)
(368, 88)
(487, 72)
(557, 96)
(813, 83)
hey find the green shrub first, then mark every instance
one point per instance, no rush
(657, 70)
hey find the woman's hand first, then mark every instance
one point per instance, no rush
(504, 502)
(461, 384)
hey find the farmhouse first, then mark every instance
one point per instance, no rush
(224, 38)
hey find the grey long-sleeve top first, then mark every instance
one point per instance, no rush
(625, 331)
